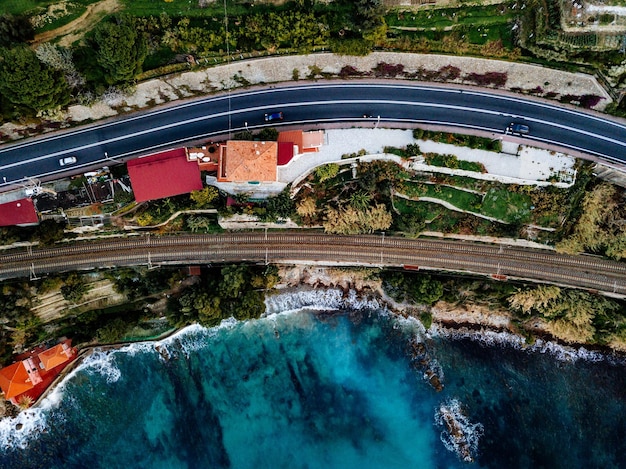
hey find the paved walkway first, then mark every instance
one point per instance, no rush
(531, 166)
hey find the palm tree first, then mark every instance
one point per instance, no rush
(25, 402)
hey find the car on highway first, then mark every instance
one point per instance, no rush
(273, 116)
(516, 128)
(67, 160)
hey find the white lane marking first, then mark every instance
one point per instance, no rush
(310, 103)
(243, 94)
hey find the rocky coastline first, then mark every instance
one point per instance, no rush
(469, 320)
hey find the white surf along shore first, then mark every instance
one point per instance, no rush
(303, 287)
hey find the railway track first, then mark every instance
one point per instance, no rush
(534, 265)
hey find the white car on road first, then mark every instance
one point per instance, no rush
(67, 160)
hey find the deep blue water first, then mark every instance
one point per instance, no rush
(310, 390)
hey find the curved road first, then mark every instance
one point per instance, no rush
(293, 247)
(131, 136)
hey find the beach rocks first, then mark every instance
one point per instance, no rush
(459, 434)
(423, 362)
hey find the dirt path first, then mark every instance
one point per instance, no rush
(75, 30)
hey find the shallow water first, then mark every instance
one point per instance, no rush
(312, 390)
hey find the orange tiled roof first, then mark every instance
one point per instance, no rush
(55, 356)
(15, 380)
(292, 136)
(248, 161)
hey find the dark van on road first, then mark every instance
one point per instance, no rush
(517, 129)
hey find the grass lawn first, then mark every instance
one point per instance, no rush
(457, 197)
(441, 219)
(451, 161)
(179, 8)
(492, 32)
(497, 203)
(425, 210)
(443, 17)
(18, 7)
(479, 185)
(506, 205)
(547, 220)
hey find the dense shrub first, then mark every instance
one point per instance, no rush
(496, 79)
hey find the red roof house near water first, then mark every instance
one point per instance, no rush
(18, 212)
(34, 371)
(163, 175)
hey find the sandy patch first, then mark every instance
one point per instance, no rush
(96, 111)
(151, 92)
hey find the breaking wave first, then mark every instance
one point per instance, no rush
(16, 432)
(322, 299)
(499, 339)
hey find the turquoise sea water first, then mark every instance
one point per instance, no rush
(324, 390)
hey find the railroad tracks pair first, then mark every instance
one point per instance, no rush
(372, 250)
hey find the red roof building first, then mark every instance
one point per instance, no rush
(163, 175)
(245, 161)
(19, 212)
(302, 142)
(35, 371)
(285, 152)
(15, 379)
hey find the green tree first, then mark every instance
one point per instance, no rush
(327, 171)
(49, 232)
(571, 315)
(199, 223)
(348, 220)
(234, 280)
(28, 84)
(360, 200)
(74, 288)
(269, 134)
(119, 50)
(209, 309)
(14, 29)
(251, 306)
(112, 332)
(369, 15)
(411, 287)
(203, 198)
(280, 206)
(351, 46)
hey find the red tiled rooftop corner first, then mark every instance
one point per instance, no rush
(163, 175)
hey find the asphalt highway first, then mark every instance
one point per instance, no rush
(306, 104)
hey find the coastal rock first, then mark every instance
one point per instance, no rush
(423, 362)
(458, 435)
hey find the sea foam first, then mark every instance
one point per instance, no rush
(489, 338)
(16, 432)
(321, 299)
(458, 434)
(103, 363)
